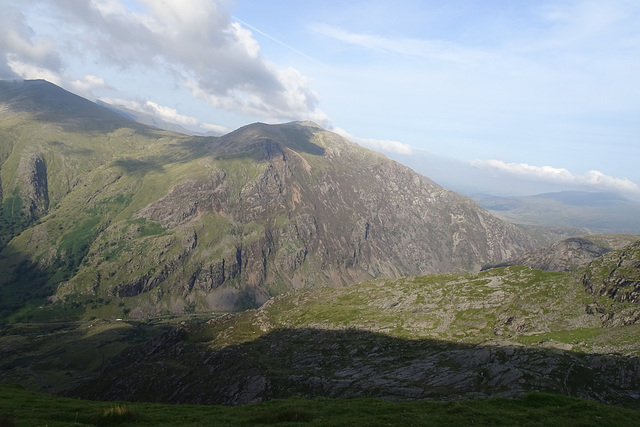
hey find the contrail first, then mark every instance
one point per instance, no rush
(257, 30)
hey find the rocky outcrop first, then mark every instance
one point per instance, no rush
(350, 363)
(34, 188)
(316, 210)
(272, 208)
(572, 253)
(615, 275)
(502, 332)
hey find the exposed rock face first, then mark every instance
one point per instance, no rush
(569, 254)
(450, 336)
(352, 363)
(320, 210)
(616, 275)
(34, 188)
(502, 332)
(169, 221)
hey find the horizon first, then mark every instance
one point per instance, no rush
(500, 98)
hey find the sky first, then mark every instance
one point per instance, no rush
(494, 96)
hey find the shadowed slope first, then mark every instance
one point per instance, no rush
(499, 333)
(163, 223)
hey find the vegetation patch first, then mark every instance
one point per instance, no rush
(17, 409)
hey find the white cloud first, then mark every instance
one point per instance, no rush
(20, 45)
(594, 180)
(83, 86)
(86, 85)
(215, 128)
(195, 42)
(376, 144)
(149, 107)
(27, 70)
(166, 114)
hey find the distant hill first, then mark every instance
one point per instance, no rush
(595, 211)
(571, 253)
(106, 217)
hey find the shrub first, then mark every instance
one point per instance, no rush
(117, 414)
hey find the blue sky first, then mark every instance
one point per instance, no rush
(504, 97)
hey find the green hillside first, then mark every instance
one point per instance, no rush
(284, 262)
(503, 332)
(106, 218)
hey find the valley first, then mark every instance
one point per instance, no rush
(286, 262)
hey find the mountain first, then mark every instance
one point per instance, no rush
(498, 333)
(105, 217)
(502, 332)
(571, 253)
(119, 240)
(595, 212)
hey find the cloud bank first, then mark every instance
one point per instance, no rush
(166, 114)
(195, 42)
(592, 180)
(384, 145)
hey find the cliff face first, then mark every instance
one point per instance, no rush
(307, 208)
(617, 276)
(168, 223)
(570, 254)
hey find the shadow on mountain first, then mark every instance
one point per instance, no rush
(299, 139)
(182, 366)
(264, 142)
(177, 151)
(52, 356)
(26, 282)
(82, 152)
(137, 166)
(182, 150)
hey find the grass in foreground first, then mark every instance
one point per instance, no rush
(19, 407)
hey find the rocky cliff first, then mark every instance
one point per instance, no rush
(165, 223)
(572, 253)
(617, 276)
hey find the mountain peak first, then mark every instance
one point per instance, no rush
(51, 103)
(162, 221)
(302, 137)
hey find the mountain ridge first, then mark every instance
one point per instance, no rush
(569, 254)
(126, 248)
(162, 222)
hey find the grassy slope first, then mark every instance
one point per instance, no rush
(517, 305)
(22, 408)
(93, 242)
(528, 329)
(108, 193)
(506, 307)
